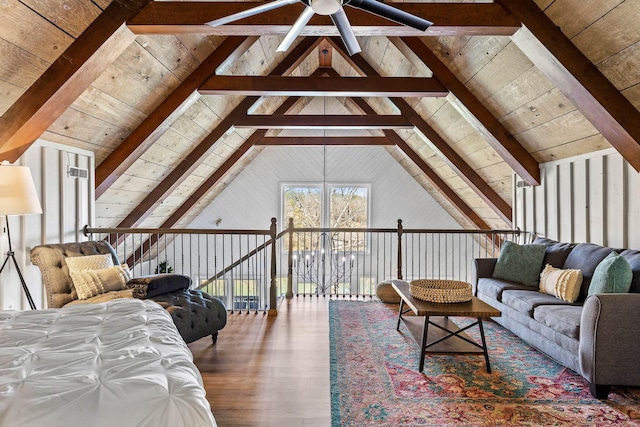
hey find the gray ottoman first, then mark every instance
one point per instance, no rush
(386, 293)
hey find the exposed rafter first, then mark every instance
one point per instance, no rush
(496, 135)
(161, 119)
(193, 159)
(63, 82)
(315, 141)
(453, 159)
(454, 19)
(578, 79)
(323, 86)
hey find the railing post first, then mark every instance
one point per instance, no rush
(399, 249)
(290, 262)
(273, 292)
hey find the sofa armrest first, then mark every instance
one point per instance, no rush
(481, 268)
(609, 347)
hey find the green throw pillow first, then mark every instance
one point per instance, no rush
(612, 276)
(520, 263)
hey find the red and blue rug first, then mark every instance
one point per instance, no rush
(375, 380)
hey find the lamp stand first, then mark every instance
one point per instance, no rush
(11, 255)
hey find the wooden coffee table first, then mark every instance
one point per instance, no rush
(445, 336)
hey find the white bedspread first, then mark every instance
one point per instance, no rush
(117, 364)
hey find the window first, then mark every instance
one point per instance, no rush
(346, 206)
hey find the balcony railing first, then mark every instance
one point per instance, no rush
(252, 270)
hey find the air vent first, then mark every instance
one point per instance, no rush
(76, 172)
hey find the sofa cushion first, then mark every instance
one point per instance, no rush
(586, 257)
(563, 284)
(519, 263)
(526, 301)
(494, 287)
(562, 318)
(612, 276)
(633, 258)
(555, 253)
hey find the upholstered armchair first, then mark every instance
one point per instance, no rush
(195, 313)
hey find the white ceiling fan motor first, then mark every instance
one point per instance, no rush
(325, 7)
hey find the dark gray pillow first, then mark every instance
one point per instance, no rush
(159, 284)
(520, 263)
(555, 253)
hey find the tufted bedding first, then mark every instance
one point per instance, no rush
(119, 363)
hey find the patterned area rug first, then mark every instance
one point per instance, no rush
(375, 380)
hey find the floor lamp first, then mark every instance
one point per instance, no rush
(17, 197)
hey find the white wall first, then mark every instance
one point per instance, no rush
(253, 198)
(590, 198)
(67, 205)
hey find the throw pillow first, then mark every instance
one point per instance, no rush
(563, 284)
(89, 262)
(89, 283)
(612, 275)
(519, 263)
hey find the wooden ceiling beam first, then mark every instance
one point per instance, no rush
(309, 121)
(323, 86)
(193, 159)
(253, 140)
(448, 154)
(66, 78)
(165, 114)
(455, 19)
(578, 79)
(314, 141)
(494, 132)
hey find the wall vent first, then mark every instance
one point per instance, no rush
(76, 172)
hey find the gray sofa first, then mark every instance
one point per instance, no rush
(598, 337)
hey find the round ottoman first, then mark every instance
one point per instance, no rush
(386, 293)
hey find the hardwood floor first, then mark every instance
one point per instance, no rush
(270, 370)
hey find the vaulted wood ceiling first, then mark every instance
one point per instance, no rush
(175, 109)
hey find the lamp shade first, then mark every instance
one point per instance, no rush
(17, 192)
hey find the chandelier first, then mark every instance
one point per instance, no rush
(327, 265)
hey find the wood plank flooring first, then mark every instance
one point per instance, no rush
(270, 370)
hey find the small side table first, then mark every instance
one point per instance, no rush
(446, 337)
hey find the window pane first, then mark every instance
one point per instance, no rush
(349, 209)
(304, 205)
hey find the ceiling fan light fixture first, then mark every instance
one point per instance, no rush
(325, 7)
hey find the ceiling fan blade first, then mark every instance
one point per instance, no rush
(296, 29)
(250, 12)
(391, 13)
(341, 22)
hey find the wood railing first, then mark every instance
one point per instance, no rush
(251, 270)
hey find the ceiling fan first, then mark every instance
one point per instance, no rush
(334, 9)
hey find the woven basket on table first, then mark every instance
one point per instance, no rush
(442, 291)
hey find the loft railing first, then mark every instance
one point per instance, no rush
(252, 270)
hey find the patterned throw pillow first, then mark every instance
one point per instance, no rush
(563, 284)
(89, 262)
(520, 263)
(89, 283)
(612, 275)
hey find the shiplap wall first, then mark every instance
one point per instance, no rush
(589, 198)
(253, 198)
(67, 205)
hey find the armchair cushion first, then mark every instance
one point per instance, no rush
(158, 284)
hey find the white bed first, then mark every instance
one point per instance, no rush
(118, 364)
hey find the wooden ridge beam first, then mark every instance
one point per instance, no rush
(454, 19)
(312, 141)
(448, 154)
(494, 132)
(609, 111)
(192, 160)
(312, 121)
(167, 112)
(67, 77)
(323, 86)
